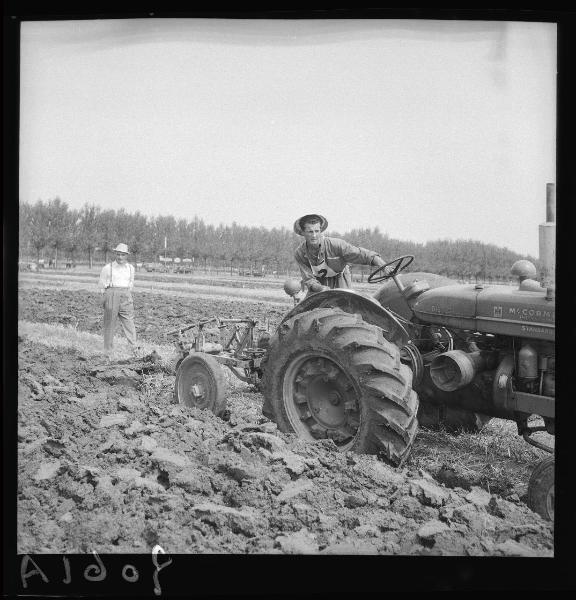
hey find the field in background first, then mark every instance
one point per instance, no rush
(214, 276)
(166, 283)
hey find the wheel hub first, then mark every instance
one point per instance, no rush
(323, 399)
(196, 391)
(326, 403)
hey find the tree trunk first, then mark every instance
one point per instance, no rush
(90, 257)
(56, 257)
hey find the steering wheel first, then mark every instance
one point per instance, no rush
(398, 264)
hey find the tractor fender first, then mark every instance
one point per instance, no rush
(354, 302)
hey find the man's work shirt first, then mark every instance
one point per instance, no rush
(116, 275)
(329, 265)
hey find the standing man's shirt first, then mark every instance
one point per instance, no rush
(329, 265)
(116, 275)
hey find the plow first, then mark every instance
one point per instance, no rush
(199, 378)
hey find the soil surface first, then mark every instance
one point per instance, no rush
(109, 463)
(155, 313)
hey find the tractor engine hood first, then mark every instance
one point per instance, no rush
(354, 302)
(502, 310)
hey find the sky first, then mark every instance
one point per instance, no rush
(427, 129)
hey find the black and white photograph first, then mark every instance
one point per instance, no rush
(286, 286)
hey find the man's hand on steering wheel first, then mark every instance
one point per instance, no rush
(379, 263)
(390, 269)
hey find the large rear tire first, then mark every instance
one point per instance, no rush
(329, 374)
(541, 489)
(200, 383)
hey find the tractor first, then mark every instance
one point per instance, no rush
(362, 369)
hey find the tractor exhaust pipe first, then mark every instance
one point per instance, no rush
(547, 239)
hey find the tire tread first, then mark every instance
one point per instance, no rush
(391, 405)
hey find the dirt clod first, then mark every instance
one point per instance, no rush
(48, 470)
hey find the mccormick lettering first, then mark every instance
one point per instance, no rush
(531, 313)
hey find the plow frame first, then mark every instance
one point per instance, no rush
(240, 354)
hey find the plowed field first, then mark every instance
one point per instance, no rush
(109, 463)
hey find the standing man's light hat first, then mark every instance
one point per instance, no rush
(122, 248)
(298, 224)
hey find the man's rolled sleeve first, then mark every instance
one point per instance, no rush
(355, 255)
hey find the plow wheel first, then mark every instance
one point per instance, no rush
(541, 489)
(331, 375)
(200, 383)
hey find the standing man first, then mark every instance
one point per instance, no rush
(116, 282)
(323, 260)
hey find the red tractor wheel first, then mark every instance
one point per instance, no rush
(200, 383)
(541, 489)
(329, 374)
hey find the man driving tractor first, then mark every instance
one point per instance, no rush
(324, 260)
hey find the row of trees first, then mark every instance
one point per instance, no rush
(51, 228)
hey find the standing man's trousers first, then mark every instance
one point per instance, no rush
(118, 304)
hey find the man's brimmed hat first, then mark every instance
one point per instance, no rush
(122, 248)
(298, 228)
